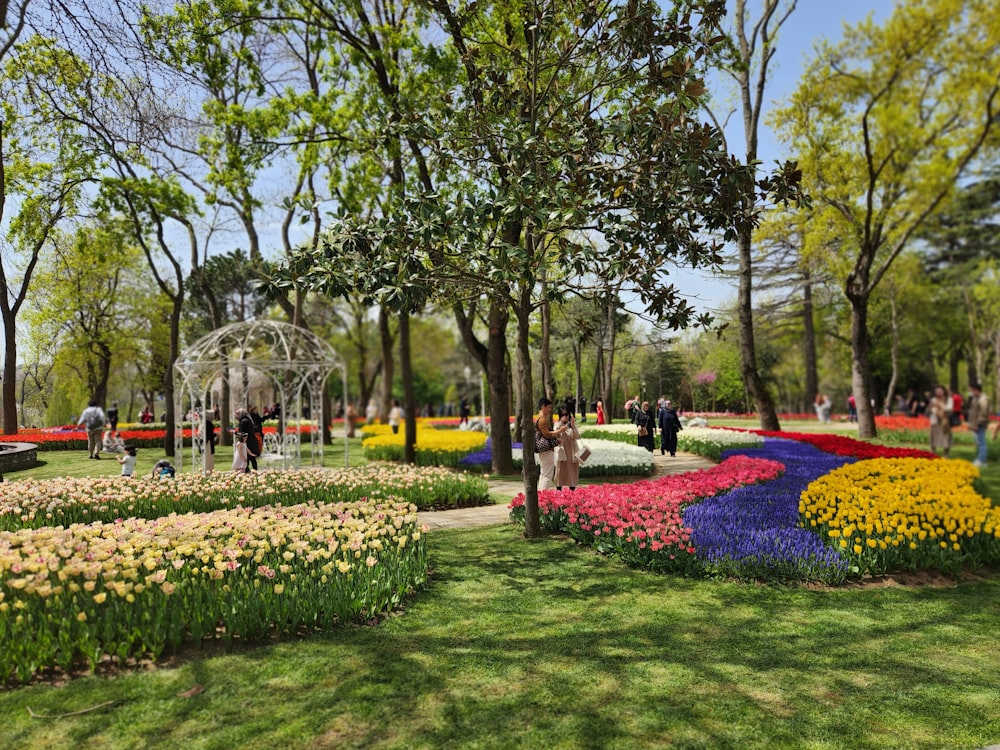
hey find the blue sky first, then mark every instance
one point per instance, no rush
(811, 21)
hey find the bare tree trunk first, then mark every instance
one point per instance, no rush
(409, 400)
(809, 341)
(548, 376)
(532, 522)
(748, 348)
(498, 379)
(860, 367)
(609, 354)
(890, 392)
(493, 359)
(388, 363)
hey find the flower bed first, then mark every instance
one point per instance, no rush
(642, 522)
(840, 445)
(32, 503)
(609, 458)
(703, 441)
(753, 532)
(885, 515)
(433, 447)
(137, 586)
(711, 442)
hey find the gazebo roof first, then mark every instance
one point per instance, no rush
(264, 344)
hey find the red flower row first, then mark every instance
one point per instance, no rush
(841, 445)
(639, 519)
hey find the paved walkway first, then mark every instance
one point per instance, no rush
(489, 515)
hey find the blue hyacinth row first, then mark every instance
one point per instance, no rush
(753, 530)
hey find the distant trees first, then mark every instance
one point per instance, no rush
(885, 124)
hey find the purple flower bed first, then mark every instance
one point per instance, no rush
(482, 457)
(752, 531)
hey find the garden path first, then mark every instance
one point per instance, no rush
(488, 515)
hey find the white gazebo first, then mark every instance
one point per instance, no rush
(242, 362)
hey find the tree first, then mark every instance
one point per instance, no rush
(885, 124)
(43, 165)
(749, 60)
(88, 300)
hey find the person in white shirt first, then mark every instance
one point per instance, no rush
(127, 461)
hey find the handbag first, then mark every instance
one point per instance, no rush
(542, 443)
(584, 454)
(643, 431)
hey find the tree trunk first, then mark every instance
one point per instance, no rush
(548, 375)
(493, 359)
(10, 417)
(170, 415)
(609, 356)
(809, 341)
(890, 392)
(860, 368)
(532, 524)
(388, 363)
(498, 379)
(409, 400)
(748, 348)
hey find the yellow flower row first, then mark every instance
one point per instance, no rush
(433, 447)
(903, 512)
(140, 585)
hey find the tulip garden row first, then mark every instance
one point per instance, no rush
(140, 586)
(434, 447)
(30, 503)
(91, 568)
(841, 508)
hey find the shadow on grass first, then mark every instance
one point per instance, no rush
(543, 643)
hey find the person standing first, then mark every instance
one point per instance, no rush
(94, 418)
(395, 416)
(939, 412)
(240, 458)
(645, 422)
(127, 461)
(463, 411)
(546, 441)
(670, 425)
(247, 426)
(601, 416)
(209, 436)
(113, 416)
(979, 420)
(568, 453)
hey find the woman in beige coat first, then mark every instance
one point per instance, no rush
(568, 455)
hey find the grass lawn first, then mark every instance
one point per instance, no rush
(543, 644)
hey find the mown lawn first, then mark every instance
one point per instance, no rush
(538, 644)
(543, 644)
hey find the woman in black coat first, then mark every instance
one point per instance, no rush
(248, 426)
(645, 420)
(670, 425)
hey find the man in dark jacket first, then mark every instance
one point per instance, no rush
(669, 425)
